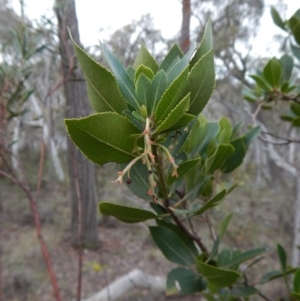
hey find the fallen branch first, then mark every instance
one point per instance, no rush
(134, 279)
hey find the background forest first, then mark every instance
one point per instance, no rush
(49, 221)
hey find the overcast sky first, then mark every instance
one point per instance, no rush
(113, 14)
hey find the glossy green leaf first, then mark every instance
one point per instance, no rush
(143, 70)
(188, 242)
(183, 168)
(175, 52)
(143, 88)
(164, 215)
(224, 225)
(103, 91)
(287, 65)
(296, 282)
(216, 276)
(182, 281)
(176, 70)
(139, 180)
(131, 72)
(174, 115)
(171, 246)
(171, 96)
(224, 257)
(243, 291)
(182, 122)
(222, 230)
(226, 130)
(272, 73)
(236, 159)
(236, 260)
(146, 59)
(282, 257)
(261, 83)
(213, 202)
(158, 87)
(296, 32)
(275, 275)
(199, 137)
(218, 159)
(122, 77)
(125, 213)
(201, 82)
(277, 19)
(251, 135)
(103, 137)
(206, 44)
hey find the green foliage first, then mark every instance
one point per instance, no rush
(149, 120)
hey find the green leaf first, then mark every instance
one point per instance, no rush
(143, 70)
(176, 70)
(224, 257)
(295, 295)
(296, 282)
(183, 168)
(188, 242)
(277, 19)
(282, 257)
(236, 159)
(275, 275)
(146, 59)
(224, 225)
(175, 52)
(139, 180)
(206, 44)
(213, 202)
(103, 137)
(182, 122)
(251, 135)
(201, 82)
(173, 248)
(287, 65)
(103, 91)
(143, 88)
(216, 276)
(170, 98)
(131, 72)
(296, 122)
(243, 291)
(295, 51)
(158, 87)
(199, 137)
(238, 259)
(182, 281)
(125, 214)
(123, 79)
(272, 73)
(218, 159)
(296, 32)
(226, 130)
(261, 83)
(174, 115)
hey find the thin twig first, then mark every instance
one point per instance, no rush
(179, 223)
(79, 229)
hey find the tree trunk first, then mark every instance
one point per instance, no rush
(81, 171)
(296, 242)
(185, 27)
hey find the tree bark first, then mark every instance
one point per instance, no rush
(81, 171)
(185, 27)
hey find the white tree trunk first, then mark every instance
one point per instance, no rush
(134, 279)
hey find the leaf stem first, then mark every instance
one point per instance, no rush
(163, 186)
